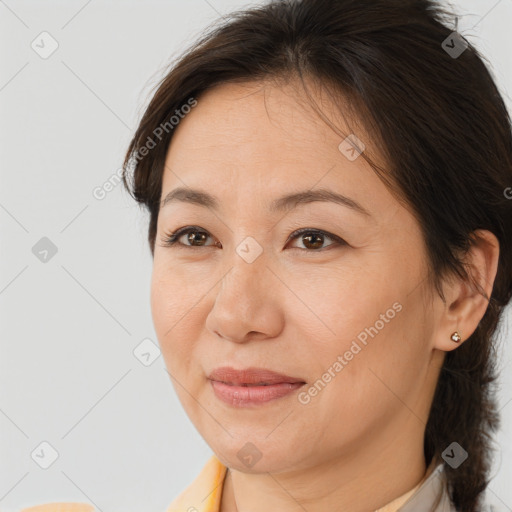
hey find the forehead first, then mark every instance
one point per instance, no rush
(269, 116)
(256, 139)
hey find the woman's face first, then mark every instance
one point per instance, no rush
(342, 310)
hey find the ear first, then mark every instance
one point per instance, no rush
(465, 306)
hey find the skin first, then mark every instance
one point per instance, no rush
(295, 309)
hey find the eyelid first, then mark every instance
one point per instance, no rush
(171, 239)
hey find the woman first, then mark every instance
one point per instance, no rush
(328, 190)
(376, 310)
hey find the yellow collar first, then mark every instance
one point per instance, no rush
(204, 493)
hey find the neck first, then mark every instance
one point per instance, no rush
(388, 467)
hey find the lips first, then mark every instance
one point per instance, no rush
(251, 377)
(252, 387)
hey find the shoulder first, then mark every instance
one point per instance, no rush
(60, 507)
(209, 482)
(433, 496)
(205, 492)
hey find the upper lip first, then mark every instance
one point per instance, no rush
(251, 375)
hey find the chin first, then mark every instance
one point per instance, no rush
(254, 458)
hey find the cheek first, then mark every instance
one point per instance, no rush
(379, 374)
(176, 325)
(172, 299)
(370, 335)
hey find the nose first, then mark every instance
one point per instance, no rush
(248, 302)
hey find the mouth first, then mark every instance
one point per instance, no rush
(251, 386)
(246, 385)
(251, 377)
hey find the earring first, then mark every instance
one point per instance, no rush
(456, 337)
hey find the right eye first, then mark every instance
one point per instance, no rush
(195, 234)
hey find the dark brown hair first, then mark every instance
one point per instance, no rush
(443, 128)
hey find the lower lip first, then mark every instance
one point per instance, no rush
(242, 396)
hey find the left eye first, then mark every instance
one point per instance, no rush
(315, 238)
(312, 238)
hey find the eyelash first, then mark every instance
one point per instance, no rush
(171, 239)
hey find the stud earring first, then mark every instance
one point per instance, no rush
(456, 337)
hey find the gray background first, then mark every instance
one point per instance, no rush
(69, 326)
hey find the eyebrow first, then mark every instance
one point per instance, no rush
(285, 203)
